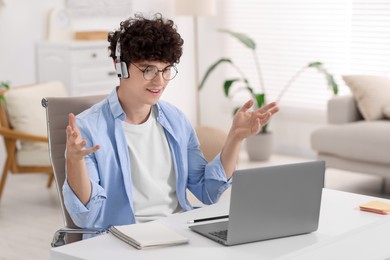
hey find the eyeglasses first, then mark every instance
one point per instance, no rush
(151, 71)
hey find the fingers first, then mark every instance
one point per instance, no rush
(246, 106)
(268, 107)
(90, 150)
(265, 113)
(74, 142)
(77, 149)
(72, 120)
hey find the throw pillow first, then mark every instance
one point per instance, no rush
(372, 94)
(25, 111)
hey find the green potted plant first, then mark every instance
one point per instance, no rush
(260, 97)
(4, 86)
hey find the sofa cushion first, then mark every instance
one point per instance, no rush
(372, 94)
(362, 140)
(26, 114)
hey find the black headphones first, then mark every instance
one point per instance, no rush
(120, 66)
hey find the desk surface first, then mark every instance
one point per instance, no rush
(344, 232)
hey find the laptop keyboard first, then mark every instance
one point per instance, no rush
(220, 234)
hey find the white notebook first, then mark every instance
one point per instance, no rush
(150, 234)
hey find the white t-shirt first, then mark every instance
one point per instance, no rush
(153, 174)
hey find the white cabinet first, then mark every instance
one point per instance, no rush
(83, 66)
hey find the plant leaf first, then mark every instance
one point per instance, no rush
(260, 99)
(243, 38)
(332, 83)
(235, 110)
(315, 64)
(329, 77)
(226, 86)
(4, 85)
(211, 68)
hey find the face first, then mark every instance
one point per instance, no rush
(136, 90)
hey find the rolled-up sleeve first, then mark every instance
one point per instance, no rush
(216, 181)
(207, 181)
(84, 215)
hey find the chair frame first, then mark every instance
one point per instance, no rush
(11, 138)
(57, 110)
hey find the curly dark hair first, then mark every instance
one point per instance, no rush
(143, 39)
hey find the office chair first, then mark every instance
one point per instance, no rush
(57, 110)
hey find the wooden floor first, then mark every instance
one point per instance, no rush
(30, 213)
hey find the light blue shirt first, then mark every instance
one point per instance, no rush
(111, 201)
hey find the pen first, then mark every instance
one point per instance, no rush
(206, 219)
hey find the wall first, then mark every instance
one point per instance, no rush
(23, 23)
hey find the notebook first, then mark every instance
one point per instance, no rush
(150, 234)
(270, 202)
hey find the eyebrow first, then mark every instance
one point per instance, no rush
(146, 65)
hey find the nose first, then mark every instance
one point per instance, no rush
(158, 79)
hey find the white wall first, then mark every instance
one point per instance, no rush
(23, 24)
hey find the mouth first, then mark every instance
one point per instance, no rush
(154, 91)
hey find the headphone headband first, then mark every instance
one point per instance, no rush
(118, 50)
(120, 66)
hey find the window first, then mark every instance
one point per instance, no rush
(370, 37)
(348, 36)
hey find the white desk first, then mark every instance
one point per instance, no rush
(344, 232)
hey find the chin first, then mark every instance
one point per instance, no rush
(153, 102)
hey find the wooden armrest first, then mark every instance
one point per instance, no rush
(18, 135)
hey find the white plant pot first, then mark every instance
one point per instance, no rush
(259, 147)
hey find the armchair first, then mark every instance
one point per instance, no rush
(21, 121)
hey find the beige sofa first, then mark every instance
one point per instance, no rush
(351, 143)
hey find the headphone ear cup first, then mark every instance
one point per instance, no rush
(118, 69)
(121, 70)
(125, 71)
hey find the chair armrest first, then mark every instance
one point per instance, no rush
(59, 235)
(17, 135)
(343, 109)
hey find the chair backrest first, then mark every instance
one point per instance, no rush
(57, 111)
(211, 140)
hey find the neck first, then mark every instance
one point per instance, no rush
(138, 116)
(135, 113)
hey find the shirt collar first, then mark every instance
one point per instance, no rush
(115, 106)
(117, 111)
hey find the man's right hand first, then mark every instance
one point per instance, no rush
(76, 169)
(75, 145)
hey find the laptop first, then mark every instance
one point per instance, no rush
(270, 202)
